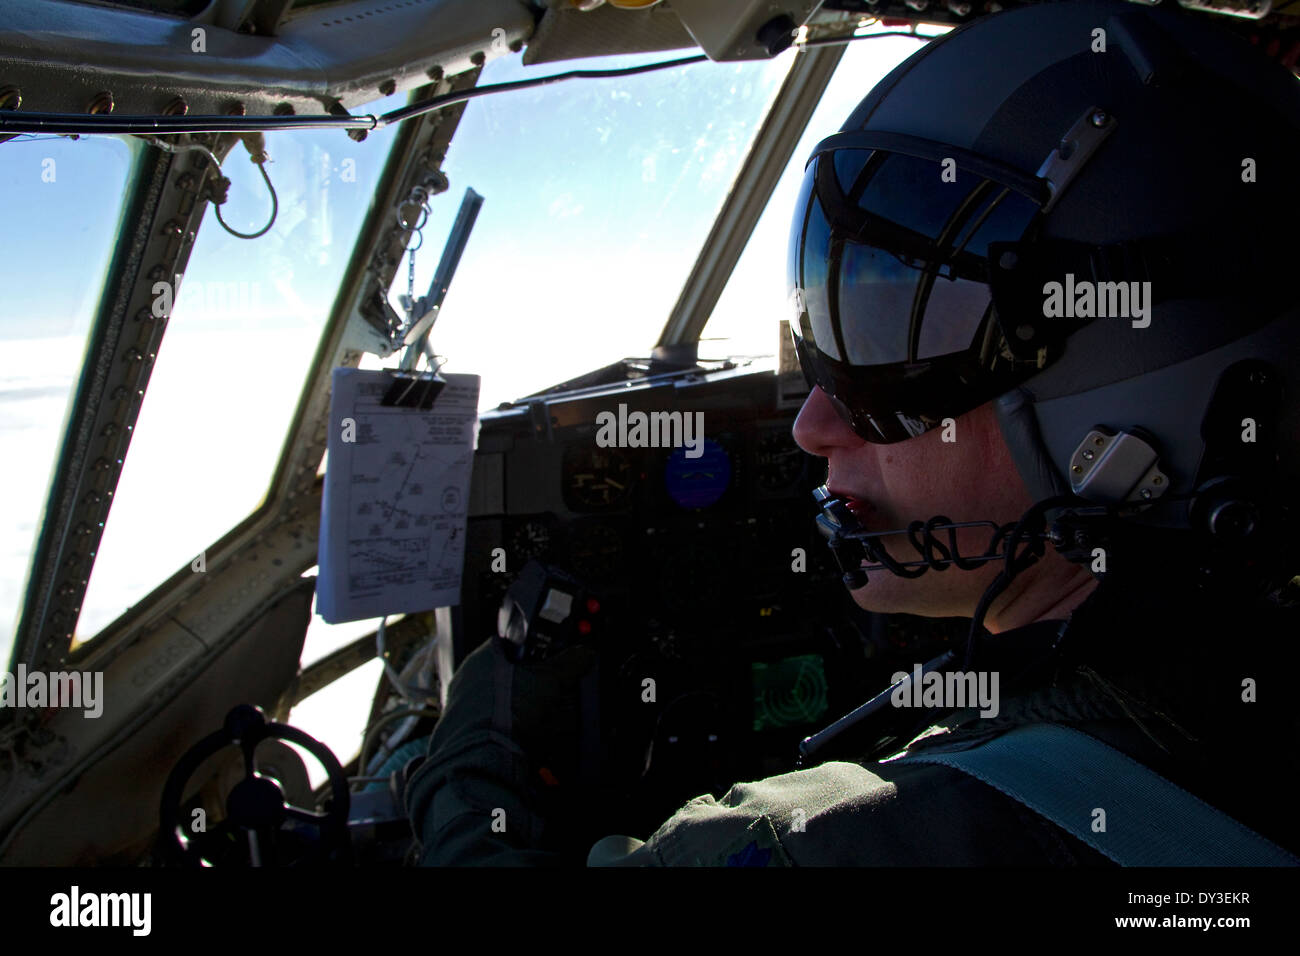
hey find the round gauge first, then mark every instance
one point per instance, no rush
(780, 461)
(531, 539)
(596, 550)
(698, 482)
(595, 479)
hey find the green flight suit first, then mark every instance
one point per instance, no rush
(476, 800)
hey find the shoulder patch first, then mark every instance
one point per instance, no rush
(757, 846)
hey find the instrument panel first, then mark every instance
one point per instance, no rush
(716, 585)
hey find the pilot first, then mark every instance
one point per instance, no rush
(1038, 281)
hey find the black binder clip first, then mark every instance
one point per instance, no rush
(411, 389)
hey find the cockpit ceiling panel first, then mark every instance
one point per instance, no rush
(63, 54)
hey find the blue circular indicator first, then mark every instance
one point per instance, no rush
(698, 482)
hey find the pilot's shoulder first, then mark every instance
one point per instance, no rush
(847, 814)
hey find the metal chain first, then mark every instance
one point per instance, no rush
(419, 195)
(410, 282)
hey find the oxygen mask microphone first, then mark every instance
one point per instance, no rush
(854, 546)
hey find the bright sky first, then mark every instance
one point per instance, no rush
(598, 196)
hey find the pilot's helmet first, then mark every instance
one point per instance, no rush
(1077, 209)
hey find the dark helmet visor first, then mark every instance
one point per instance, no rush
(888, 270)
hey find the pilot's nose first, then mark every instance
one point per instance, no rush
(819, 427)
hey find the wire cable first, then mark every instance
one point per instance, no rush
(382, 722)
(460, 96)
(184, 148)
(260, 159)
(1028, 529)
(275, 210)
(844, 41)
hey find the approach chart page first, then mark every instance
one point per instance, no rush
(396, 498)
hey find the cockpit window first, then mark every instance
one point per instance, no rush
(211, 428)
(62, 203)
(598, 195)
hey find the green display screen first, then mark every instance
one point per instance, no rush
(789, 692)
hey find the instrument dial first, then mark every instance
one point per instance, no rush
(780, 461)
(596, 479)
